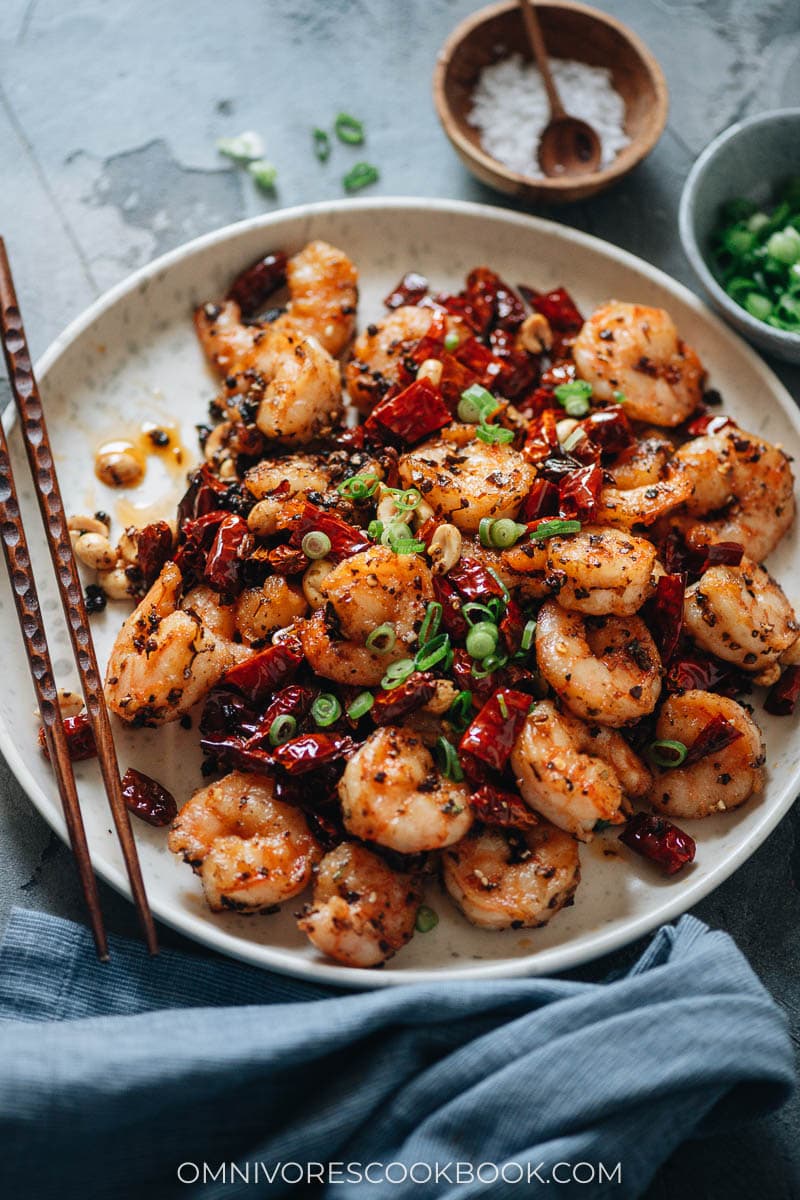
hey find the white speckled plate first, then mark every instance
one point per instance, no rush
(133, 355)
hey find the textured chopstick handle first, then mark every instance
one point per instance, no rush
(40, 458)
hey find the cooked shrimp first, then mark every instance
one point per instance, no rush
(512, 878)
(250, 850)
(369, 589)
(723, 779)
(294, 474)
(644, 462)
(292, 378)
(742, 615)
(469, 483)
(635, 350)
(647, 502)
(748, 475)
(262, 610)
(575, 774)
(605, 669)
(596, 571)
(323, 295)
(167, 657)
(392, 793)
(362, 912)
(379, 353)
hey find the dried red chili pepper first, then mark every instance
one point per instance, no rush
(666, 614)
(453, 620)
(558, 306)
(147, 798)
(474, 580)
(783, 696)
(659, 840)
(610, 429)
(512, 626)
(519, 368)
(345, 539)
(410, 290)
(411, 415)
(461, 671)
(541, 501)
(294, 701)
(691, 668)
(708, 424)
(542, 437)
(223, 566)
(265, 672)
(727, 554)
(312, 750)
(80, 738)
(713, 737)
(257, 282)
(287, 560)
(397, 702)
(206, 493)
(153, 550)
(492, 733)
(496, 807)
(579, 493)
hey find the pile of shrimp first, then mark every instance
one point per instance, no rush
(458, 594)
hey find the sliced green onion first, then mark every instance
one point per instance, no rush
(405, 501)
(500, 534)
(349, 130)
(315, 544)
(758, 306)
(427, 919)
(528, 634)
(375, 530)
(476, 404)
(448, 760)
(452, 340)
(501, 704)
(490, 664)
(382, 640)
(557, 528)
(481, 612)
(245, 147)
(281, 729)
(482, 639)
(433, 652)
(322, 144)
(784, 245)
(666, 753)
(574, 397)
(460, 711)
(397, 673)
(360, 706)
(394, 531)
(494, 434)
(408, 546)
(358, 487)
(326, 709)
(500, 584)
(620, 397)
(430, 625)
(572, 439)
(360, 176)
(264, 173)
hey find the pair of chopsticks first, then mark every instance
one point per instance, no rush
(23, 585)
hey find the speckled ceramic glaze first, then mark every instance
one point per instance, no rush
(133, 356)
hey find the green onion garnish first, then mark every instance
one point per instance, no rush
(349, 130)
(433, 652)
(500, 584)
(315, 544)
(358, 487)
(326, 709)
(488, 665)
(360, 176)
(397, 673)
(244, 148)
(666, 753)
(408, 546)
(528, 634)
(431, 622)
(448, 760)
(375, 530)
(460, 711)
(574, 397)
(501, 704)
(281, 729)
(322, 144)
(264, 174)
(572, 439)
(452, 340)
(500, 534)
(494, 434)
(405, 501)
(360, 706)
(482, 639)
(393, 532)
(476, 404)
(481, 612)
(382, 640)
(427, 919)
(556, 528)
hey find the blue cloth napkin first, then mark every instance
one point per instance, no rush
(188, 1076)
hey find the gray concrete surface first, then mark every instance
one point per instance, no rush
(109, 110)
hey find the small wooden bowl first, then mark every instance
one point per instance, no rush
(571, 31)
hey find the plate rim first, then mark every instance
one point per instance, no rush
(554, 959)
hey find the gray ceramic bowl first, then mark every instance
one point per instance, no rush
(746, 160)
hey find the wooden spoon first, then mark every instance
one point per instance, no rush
(568, 146)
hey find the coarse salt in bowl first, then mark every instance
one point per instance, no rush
(608, 77)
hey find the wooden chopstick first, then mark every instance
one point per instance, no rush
(42, 467)
(26, 598)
